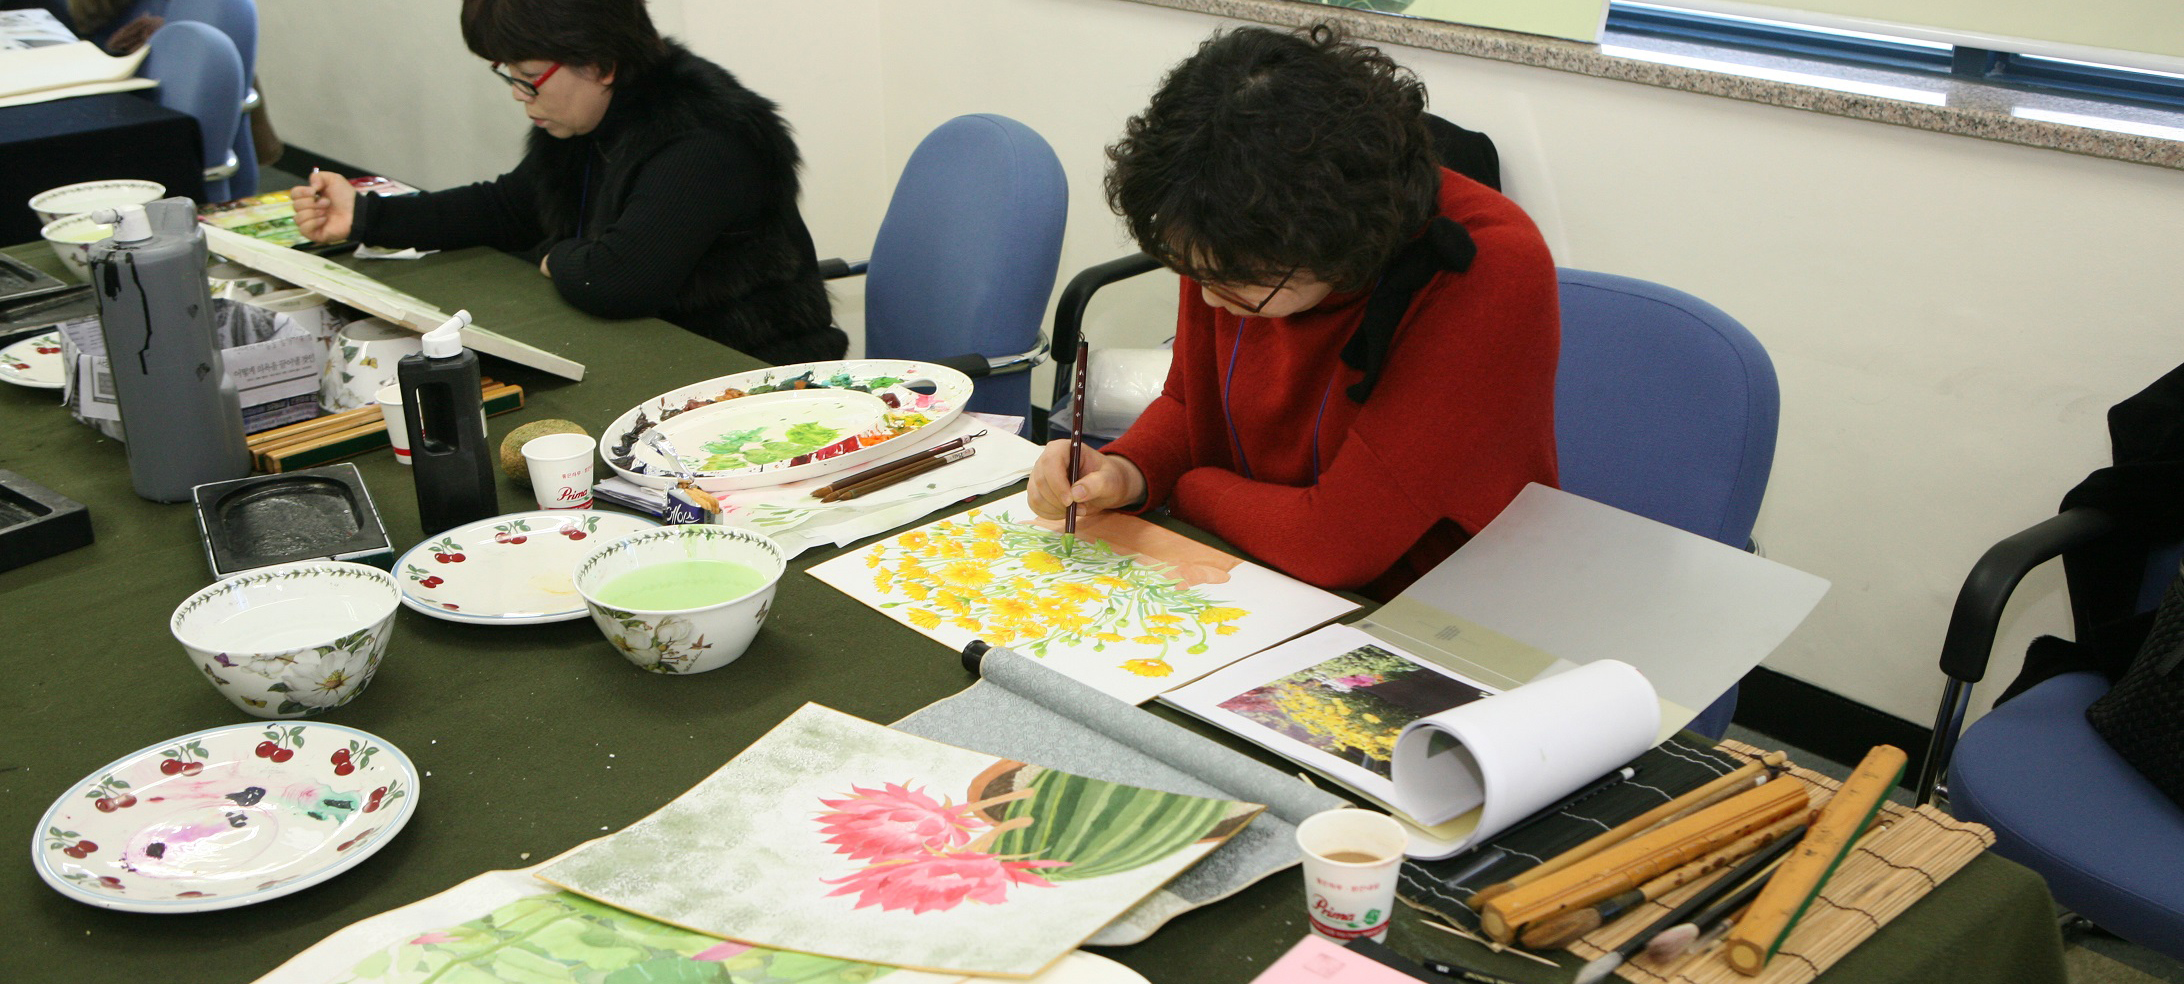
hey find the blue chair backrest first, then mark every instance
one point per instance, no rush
(965, 258)
(201, 74)
(1664, 406)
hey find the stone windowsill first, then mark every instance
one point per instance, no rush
(1939, 104)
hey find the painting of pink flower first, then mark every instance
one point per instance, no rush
(940, 882)
(895, 822)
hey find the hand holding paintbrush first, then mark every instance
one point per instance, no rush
(1098, 482)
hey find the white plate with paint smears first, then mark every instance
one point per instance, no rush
(225, 817)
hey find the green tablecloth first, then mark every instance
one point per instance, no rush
(537, 738)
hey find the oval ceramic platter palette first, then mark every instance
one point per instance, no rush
(787, 423)
(34, 362)
(509, 570)
(226, 817)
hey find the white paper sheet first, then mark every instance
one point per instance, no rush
(27, 71)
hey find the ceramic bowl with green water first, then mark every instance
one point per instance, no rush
(682, 599)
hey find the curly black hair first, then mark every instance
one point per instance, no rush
(606, 34)
(1267, 152)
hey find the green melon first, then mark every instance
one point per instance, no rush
(511, 449)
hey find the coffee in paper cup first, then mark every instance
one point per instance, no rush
(1351, 860)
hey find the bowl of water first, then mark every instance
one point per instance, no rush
(681, 599)
(290, 640)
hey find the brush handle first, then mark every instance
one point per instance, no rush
(1676, 809)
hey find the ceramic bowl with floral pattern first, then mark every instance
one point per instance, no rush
(291, 640)
(692, 627)
(225, 817)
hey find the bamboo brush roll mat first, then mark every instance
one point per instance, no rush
(1904, 855)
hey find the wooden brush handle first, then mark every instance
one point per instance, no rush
(1631, 864)
(1675, 809)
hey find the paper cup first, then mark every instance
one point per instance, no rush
(1351, 858)
(561, 470)
(390, 407)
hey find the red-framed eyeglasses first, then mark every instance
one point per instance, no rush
(528, 87)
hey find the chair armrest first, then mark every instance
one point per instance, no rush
(836, 268)
(979, 366)
(1076, 297)
(1970, 640)
(1969, 644)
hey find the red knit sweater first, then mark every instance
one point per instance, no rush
(1462, 418)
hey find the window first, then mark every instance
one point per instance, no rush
(2080, 79)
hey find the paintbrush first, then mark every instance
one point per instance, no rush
(1606, 963)
(902, 474)
(825, 493)
(1741, 780)
(1558, 931)
(1076, 443)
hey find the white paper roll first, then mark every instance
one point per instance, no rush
(1518, 751)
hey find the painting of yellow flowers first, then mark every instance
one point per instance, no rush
(1126, 607)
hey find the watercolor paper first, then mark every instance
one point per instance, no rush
(838, 837)
(1130, 609)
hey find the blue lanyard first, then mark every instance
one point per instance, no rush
(1228, 415)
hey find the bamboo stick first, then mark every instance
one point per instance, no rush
(1669, 812)
(1630, 864)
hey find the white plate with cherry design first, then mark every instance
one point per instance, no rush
(509, 570)
(34, 362)
(226, 817)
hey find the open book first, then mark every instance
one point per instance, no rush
(1561, 642)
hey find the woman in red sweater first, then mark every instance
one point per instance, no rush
(1365, 347)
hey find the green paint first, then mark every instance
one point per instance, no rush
(681, 585)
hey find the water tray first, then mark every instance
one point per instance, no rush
(36, 522)
(317, 513)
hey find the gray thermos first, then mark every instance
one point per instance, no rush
(180, 414)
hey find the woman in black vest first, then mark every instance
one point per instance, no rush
(654, 183)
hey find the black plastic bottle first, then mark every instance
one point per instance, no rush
(441, 406)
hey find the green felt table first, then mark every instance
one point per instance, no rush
(536, 738)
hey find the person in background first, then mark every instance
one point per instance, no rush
(654, 184)
(1365, 348)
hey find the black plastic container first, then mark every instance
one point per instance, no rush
(37, 522)
(449, 457)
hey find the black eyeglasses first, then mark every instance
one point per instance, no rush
(528, 87)
(1226, 295)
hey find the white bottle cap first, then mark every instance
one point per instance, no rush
(447, 340)
(130, 223)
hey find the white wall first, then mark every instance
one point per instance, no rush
(1950, 318)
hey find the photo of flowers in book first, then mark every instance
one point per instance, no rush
(1354, 705)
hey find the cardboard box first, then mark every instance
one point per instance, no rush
(277, 379)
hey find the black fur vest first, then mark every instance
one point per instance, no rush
(759, 293)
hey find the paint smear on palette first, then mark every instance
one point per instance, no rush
(1130, 608)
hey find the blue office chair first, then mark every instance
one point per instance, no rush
(966, 256)
(234, 170)
(201, 74)
(2059, 799)
(1664, 407)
